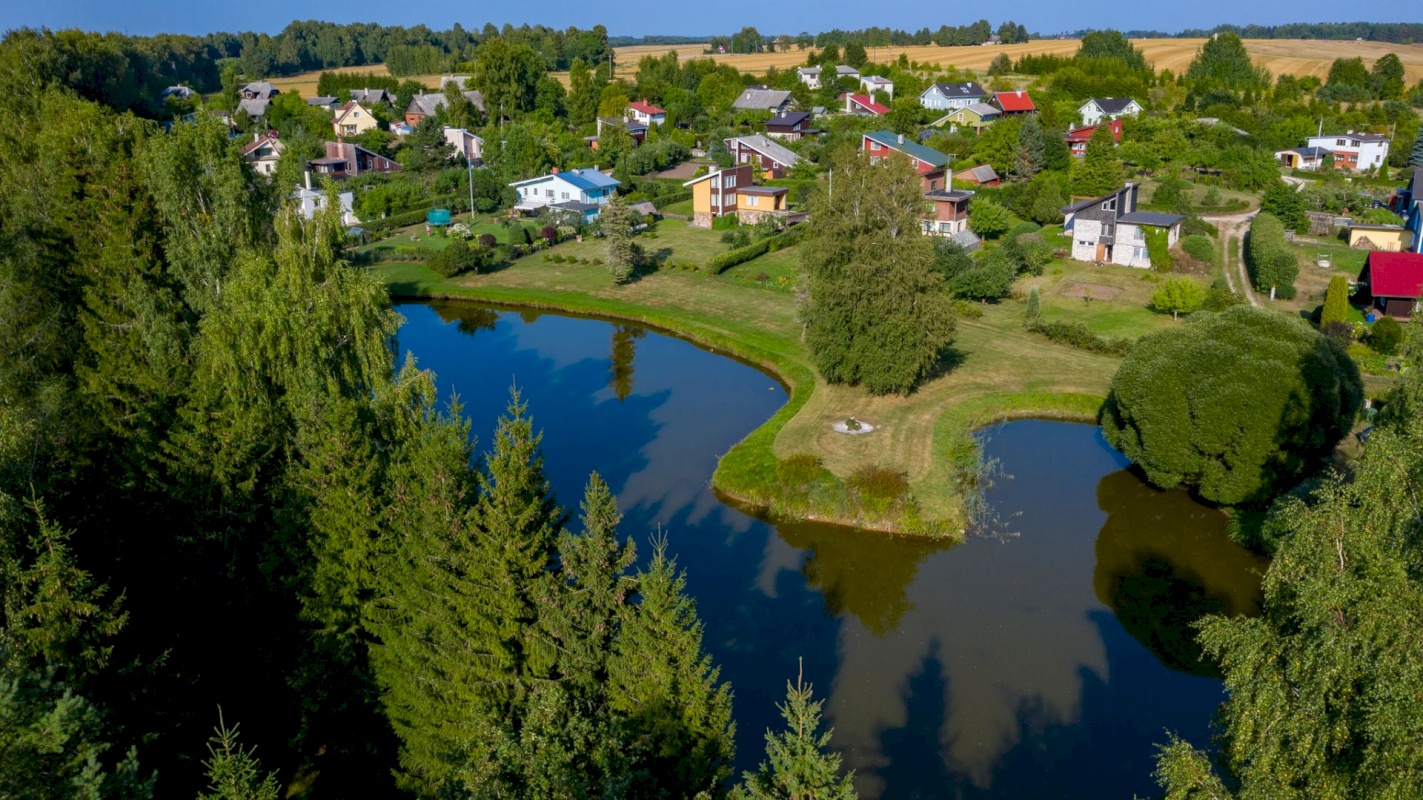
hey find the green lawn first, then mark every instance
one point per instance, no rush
(1110, 300)
(668, 241)
(776, 270)
(683, 207)
(415, 236)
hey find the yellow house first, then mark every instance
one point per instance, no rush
(733, 192)
(353, 119)
(1388, 238)
(754, 202)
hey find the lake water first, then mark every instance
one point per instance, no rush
(1049, 660)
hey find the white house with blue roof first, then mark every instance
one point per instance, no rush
(582, 190)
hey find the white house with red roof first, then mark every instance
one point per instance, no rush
(646, 113)
(1015, 102)
(1393, 282)
(1077, 138)
(263, 152)
(862, 105)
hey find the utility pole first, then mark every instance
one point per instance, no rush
(469, 163)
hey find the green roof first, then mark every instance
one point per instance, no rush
(909, 147)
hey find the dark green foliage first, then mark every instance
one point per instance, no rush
(1273, 265)
(987, 218)
(1237, 405)
(1157, 248)
(1336, 301)
(1100, 170)
(624, 254)
(1415, 154)
(1323, 688)
(1386, 79)
(1034, 307)
(876, 313)
(1113, 46)
(234, 773)
(1075, 334)
(1030, 155)
(724, 261)
(1286, 204)
(1200, 248)
(972, 279)
(1219, 298)
(798, 765)
(1223, 65)
(1386, 336)
(459, 257)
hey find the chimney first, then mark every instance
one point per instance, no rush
(553, 171)
(307, 175)
(901, 138)
(1020, 92)
(256, 136)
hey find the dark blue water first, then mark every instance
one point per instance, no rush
(1046, 663)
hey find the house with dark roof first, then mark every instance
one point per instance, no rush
(1109, 229)
(348, 159)
(770, 157)
(948, 96)
(176, 92)
(1077, 138)
(370, 97)
(862, 105)
(1014, 102)
(329, 104)
(646, 113)
(1099, 108)
(1307, 158)
(946, 212)
(635, 129)
(585, 187)
(259, 90)
(789, 126)
(430, 103)
(759, 98)
(1392, 282)
(981, 175)
(254, 108)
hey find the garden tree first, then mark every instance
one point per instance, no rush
(233, 772)
(1336, 302)
(1348, 72)
(1223, 65)
(426, 147)
(875, 312)
(1033, 310)
(1099, 171)
(746, 40)
(1112, 45)
(1415, 154)
(521, 154)
(798, 765)
(1286, 204)
(583, 94)
(1238, 405)
(1049, 198)
(624, 253)
(1173, 193)
(1002, 64)
(904, 114)
(855, 54)
(612, 101)
(996, 145)
(508, 76)
(1386, 79)
(458, 111)
(987, 218)
(1322, 688)
(1030, 155)
(615, 142)
(550, 97)
(675, 717)
(1272, 264)
(1178, 296)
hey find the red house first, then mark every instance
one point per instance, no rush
(1393, 282)
(1017, 102)
(929, 163)
(1077, 138)
(646, 113)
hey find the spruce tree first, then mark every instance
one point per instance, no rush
(624, 254)
(1030, 152)
(798, 765)
(1034, 309)
(1415, 155)
(1100, 170)
(676, 716)
(234, 773)
(1336, 301)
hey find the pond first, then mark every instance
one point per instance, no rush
(1046, 660)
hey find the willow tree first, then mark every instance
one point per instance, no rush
(875, 312)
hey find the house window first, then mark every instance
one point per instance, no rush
(728, 182)
(1106, 230)
(874, 146)
(751, 200)
(565, 195)
(716, 200)
(548, 193)
(1110, 205)
(1339, 143)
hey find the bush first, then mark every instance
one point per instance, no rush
(1238, 405)
(738, 237)
(549, 234)
(1075, 334)
(1219, 298)
(1195, 226)
(798, 469)
(721, 263)
(880, 483)
(1199, 247)
(487, 240)
(1336, 303)
(1271, 262)
(725, 223)
(1178, 296)
(1341, 332)
(1386, 336)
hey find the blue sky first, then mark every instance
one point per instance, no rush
(641, 17)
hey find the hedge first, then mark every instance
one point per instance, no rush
(729, 259)
(676, 197)
(1075, 334)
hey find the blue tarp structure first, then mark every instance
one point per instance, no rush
(438, 216)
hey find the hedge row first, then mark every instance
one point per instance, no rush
(729, 259)
(662, 201)
(455, 203)
(1075, 334)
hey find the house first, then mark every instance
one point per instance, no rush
(429, 104)
(981, 175)
(309, 201)
(810, 76)
(929, 164)
(875, 83)
(732, 191)
(1385, 238)
(646, 113)
(949, 96)
(759, 98)
(254, 108)
(789, 125)
(370, 97)
(352, 119)
(1413, 210)
(329, 104)
(1109, 229)
(1391, 282)
(587, 187)
(263, 152)
(1354, 151)
(460, 81)
(861, 105)
(1099, 108)
(1015, 102)
(846, 71)
(1077, 138)
(1306, 158)
(973, 115)
(465, 143)
(348, 159)
(946, 212)
(766, 155)
(176, 92)
(636, 130)
(259, 90)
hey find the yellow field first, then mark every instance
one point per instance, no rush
(1294, 56)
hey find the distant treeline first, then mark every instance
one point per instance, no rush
(634, 41)
(1393, 32)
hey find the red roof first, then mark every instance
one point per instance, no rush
(1082, 135)
(646, 107)
(1394, 274)
(864, 101)
(1014, 101)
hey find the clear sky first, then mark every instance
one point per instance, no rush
(642, 17)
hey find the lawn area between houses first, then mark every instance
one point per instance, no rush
(995, 371)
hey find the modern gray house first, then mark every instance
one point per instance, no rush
(1109, 229)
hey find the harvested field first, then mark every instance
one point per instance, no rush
(304, 83)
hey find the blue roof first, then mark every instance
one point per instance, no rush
(909, 147)
(587, 179)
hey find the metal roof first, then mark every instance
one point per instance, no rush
(1112, 105)
(1150, 218)
(763, 99)
(909, 147)
(767, 147)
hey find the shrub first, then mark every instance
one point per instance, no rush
(1336, 302)
(1237, 405)
(549, 234)
(725, 261)
(725, 223)
(1386, 336)
(1272, 264)
(1075, 334)
(1199, 247)
(1195, 226)
(738, 237)
(798, 469)
(1340, 331)
(487, 240)
(880, 483)
(1034, 309)
(1219, 298)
